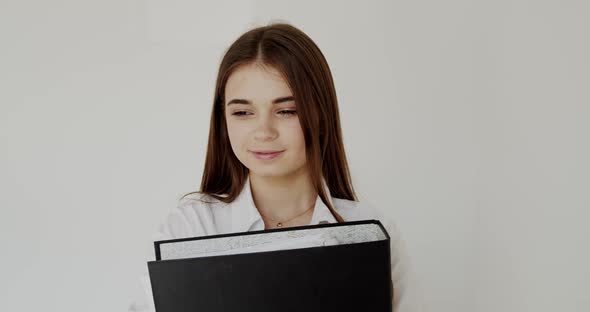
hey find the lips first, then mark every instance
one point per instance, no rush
(266, 155)
(266, 152)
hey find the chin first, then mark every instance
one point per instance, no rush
(269, 171)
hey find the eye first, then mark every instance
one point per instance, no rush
(240, 113)
(288, 112)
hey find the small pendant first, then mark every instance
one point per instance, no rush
(279, 224)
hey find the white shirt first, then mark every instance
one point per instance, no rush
(193, 217)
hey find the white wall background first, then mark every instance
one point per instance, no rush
(467, 121)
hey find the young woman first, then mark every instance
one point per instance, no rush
(275, 156)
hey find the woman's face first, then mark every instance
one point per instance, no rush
(261, 116)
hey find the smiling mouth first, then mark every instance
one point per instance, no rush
(267, 155)
(266, 152)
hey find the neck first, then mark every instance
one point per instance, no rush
(282, 198)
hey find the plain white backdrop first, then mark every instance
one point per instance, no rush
(467, 122)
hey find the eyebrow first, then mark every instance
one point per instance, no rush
(275, 101)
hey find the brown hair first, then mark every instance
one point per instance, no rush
(304, 68)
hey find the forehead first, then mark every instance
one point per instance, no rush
(254, 82)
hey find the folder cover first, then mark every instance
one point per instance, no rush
(326, 267)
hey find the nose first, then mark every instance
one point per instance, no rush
(265, 130)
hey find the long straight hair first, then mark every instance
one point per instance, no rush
(304, 68)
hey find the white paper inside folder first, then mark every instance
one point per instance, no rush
(270, 241)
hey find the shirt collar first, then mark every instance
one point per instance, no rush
(245, 213)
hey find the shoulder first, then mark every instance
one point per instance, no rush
(351, 210)
(198, 201)
(194, 215)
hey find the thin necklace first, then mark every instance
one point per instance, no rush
(280, 224)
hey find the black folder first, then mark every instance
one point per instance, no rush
(353, 275)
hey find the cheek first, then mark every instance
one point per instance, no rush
(237, 136)
(294, 135)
